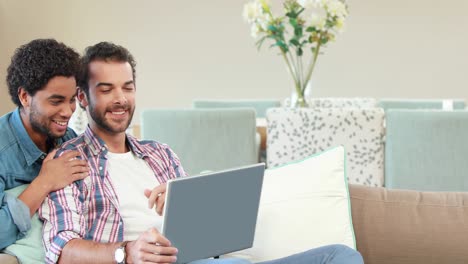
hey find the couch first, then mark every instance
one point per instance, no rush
(403, 227)
(410, 227)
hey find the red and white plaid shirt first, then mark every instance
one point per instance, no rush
(89, 208)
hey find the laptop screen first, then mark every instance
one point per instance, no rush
(213, 214)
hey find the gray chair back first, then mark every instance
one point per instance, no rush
(204, 139)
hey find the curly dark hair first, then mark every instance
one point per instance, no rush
(35, 63)
(103, 51)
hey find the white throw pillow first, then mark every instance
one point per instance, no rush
(303, 205)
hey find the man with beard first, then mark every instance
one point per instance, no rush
(41, 82)
(109, 217)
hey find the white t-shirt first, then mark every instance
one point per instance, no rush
(131, 176)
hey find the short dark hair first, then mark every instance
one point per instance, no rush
(103, 51)
(35, 63)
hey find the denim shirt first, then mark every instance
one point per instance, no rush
(20, 163)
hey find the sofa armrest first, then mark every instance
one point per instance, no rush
(401, 226)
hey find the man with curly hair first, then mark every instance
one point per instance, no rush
(41, 82)
(109, 217)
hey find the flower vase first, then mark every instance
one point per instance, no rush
(295, 101)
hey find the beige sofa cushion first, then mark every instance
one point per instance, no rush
(8, 259)
(410, 227)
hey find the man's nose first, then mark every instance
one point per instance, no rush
(67, 110)
(119, 97)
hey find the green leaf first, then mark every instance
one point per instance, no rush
(282, 46)
(293, 22)
(311, 29)
(294, 42)
(298, 32)
(299, 52)
(323, 40)
(272, 28)
(292, 14)
(300, 11)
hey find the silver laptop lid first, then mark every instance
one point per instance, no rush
(213, 214)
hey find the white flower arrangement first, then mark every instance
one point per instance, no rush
(313, 24)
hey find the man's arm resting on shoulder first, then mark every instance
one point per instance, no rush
(54, 175)
(16, 212)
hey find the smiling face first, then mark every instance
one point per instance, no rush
(111, 98)
(47, 112)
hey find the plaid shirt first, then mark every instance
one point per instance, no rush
(89, 208)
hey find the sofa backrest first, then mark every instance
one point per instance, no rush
(410, 227)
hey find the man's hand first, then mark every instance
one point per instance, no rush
(57, 173)
(151, 247)
(157, 196)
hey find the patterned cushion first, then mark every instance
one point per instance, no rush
(337, 102)
(294, 134)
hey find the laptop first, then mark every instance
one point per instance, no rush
(212, 214)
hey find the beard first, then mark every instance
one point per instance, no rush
(39, 124)
(101, 121)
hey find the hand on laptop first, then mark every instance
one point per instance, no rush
(157, 196)
(151, 247)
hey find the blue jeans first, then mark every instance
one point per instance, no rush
(332, 254)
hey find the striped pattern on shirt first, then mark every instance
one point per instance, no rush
(89, 208)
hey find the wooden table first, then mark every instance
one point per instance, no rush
(262, 130)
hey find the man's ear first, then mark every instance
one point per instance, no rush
(82, 98)
(24, 97)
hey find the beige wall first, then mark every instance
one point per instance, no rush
(398, 48)
(5, 103)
